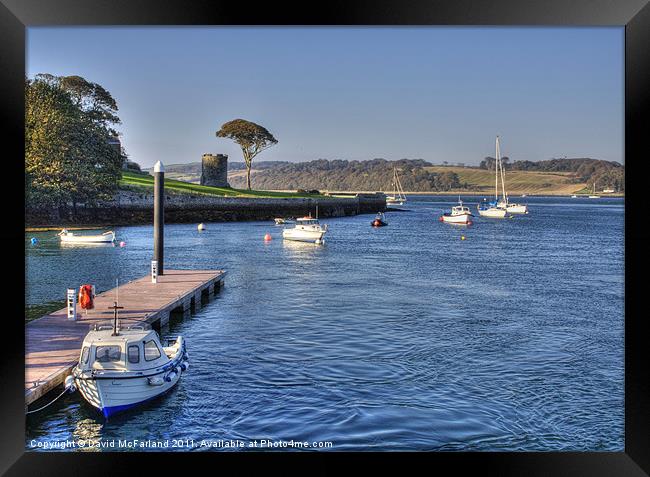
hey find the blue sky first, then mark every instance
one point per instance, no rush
(434, 93)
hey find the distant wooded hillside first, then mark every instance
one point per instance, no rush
(416, 175)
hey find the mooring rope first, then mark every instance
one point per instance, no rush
(51, 402)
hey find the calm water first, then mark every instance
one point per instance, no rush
(399, 338)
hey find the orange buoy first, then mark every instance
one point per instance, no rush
(267, 238)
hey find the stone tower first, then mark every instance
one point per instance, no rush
(214, 170)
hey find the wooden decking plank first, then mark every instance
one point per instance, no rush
(53, 343)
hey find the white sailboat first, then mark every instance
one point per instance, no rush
(493, 209)
(510, 207)
(593, 194)
(398, 197)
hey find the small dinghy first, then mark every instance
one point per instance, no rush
(460, 214)
(123, 365)
(70, 237)
(379, 221)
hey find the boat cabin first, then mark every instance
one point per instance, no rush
(460, 210)
(134, 348)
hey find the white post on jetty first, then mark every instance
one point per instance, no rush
(154, 271)
(72, 304)
(159, 215)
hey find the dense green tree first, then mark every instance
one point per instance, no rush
(68, 158)
(251, 137)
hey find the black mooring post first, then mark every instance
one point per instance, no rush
(158, 214)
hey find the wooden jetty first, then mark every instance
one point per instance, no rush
(53, 343)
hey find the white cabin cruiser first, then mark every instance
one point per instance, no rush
(460, 214)
(307, 229)
(124, 365)
(70, 237)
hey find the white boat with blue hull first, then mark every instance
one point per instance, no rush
(123, 366)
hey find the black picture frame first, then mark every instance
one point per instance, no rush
(634, 15)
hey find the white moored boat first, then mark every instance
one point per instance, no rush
(512, 208)
(460, 214)
(505, 203)
(495, 209)
(492, 211)
(398, 197)
(106, 237)
(124, 365)
(307, 229)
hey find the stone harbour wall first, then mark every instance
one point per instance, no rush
(130, 207)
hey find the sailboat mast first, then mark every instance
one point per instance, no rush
(399, 186)
(496, 172)
(503, 181)
(394, 181)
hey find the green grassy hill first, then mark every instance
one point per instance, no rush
(529, 182)
(138, 181)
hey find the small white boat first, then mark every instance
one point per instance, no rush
(492, 211)
(574, 196)
(398, 197)
(460, 214)
(106, 237)
(307, 229)
(279, 221)
(123, 365)
(513, 208)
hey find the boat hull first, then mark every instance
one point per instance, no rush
(493, 213)
(113, 395)
(456, 219)
(108, 238)
(517, 209)
(303, 235)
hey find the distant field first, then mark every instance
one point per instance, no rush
(479, 181)
(529, 182)
(136, 180)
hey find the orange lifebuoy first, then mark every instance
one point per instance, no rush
(86, 297)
